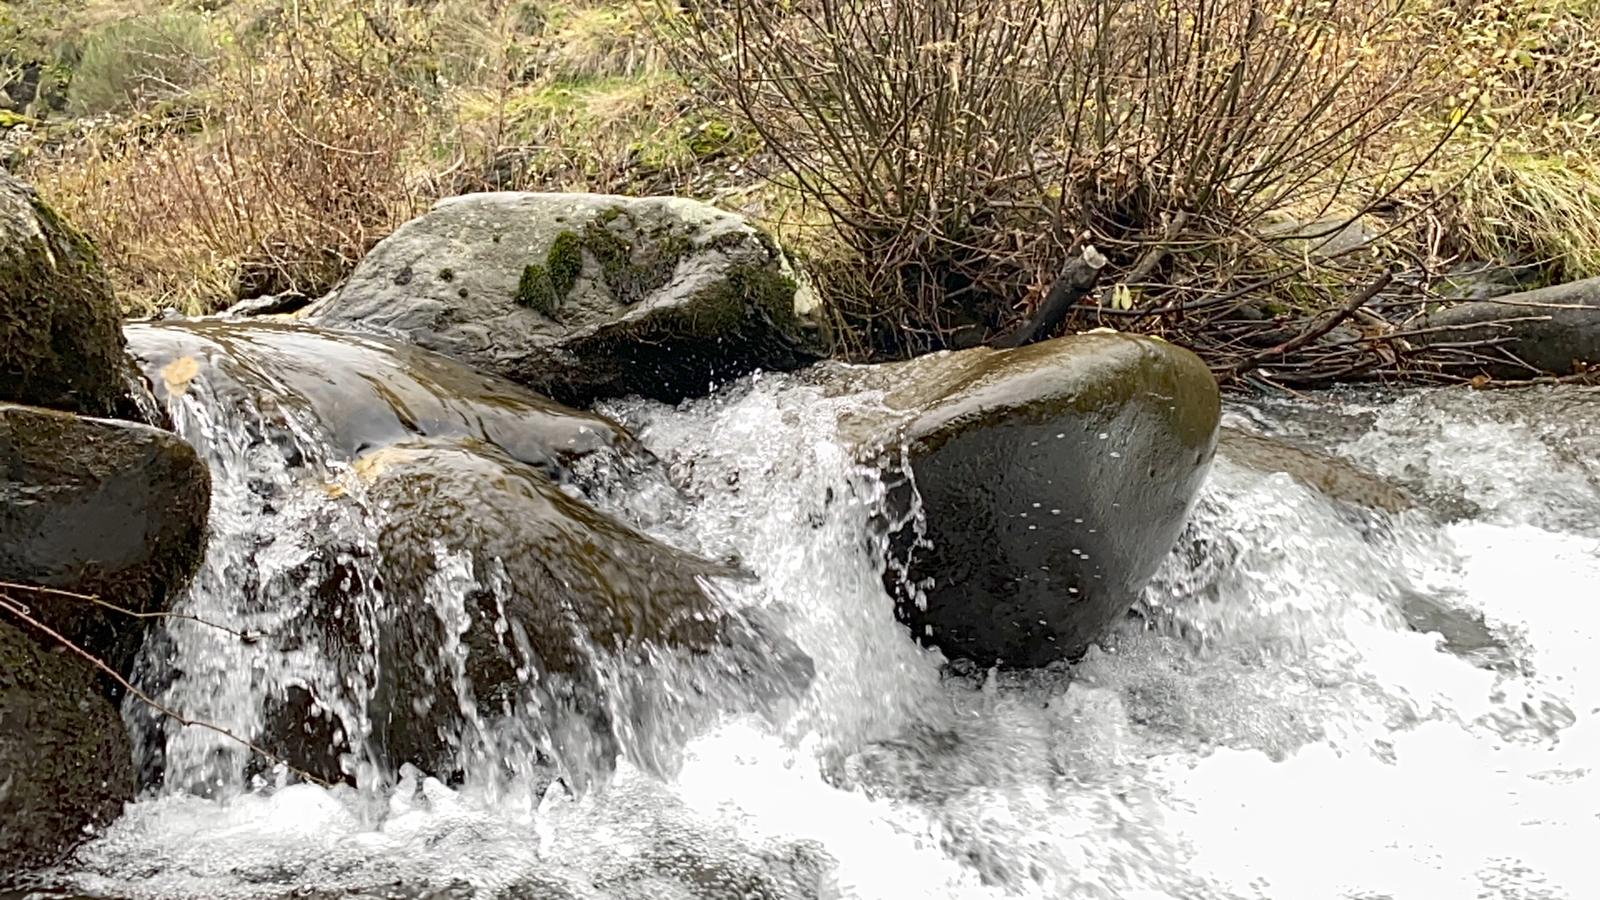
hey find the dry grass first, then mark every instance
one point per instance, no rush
(938, 160)
(311, 138)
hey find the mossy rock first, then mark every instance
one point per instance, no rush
(110, 509)
(61, 343)
(585, 296)
(65, 756)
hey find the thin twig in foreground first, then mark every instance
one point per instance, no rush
(249, 637)
(11, 606)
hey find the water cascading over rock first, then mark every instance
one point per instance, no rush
(412, 543)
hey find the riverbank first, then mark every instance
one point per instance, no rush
(235, 149)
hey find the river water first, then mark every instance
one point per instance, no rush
(1267, 727)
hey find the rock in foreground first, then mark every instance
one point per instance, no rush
(98, 507)
(584, 296)
(567, 617)
(65, 760)
(1053, 480)
(61, 342)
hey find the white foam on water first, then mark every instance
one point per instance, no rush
(1276, 732)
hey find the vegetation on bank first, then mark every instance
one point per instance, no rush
(1244, 166)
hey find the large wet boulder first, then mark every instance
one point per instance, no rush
(1052, 480)
(61, 342)
(585, 296)
(1549, 331)
(551, 615)
(103, 508)
(420, 547)
(65, 761)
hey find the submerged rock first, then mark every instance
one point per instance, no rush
(585, 296)
(1053, 479)
(1336, 478)
(1549, 331)
(61, 340)
(65, 761)
(501, 586)
(98, 507)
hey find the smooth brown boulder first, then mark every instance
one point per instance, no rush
(1053, 480)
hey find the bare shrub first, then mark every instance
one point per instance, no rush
(965, 149)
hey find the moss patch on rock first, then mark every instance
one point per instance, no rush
(633, 268)
(61, 343)
(747, 290)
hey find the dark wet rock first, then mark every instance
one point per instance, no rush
(1461, 631)
(98, 507)
(1334, 477)
(358, 541)
(65, 761)
(1549, 331)
(360, 392)
(520, 623)
(61, 342)
(1053, 480)
(584, 296)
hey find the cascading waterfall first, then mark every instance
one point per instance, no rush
(1266, 726)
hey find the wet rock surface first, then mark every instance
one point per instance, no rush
(98, 507)
(417, 545)
(65, 762)
(1334, 477)
(584, 296)
(567, 619)
(1053, 480)
(360, 392)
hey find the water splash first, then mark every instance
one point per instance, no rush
(1270, 726)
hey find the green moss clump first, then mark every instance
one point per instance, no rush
(630, 275)
(747, 290)
(535, 291)
(565, 262)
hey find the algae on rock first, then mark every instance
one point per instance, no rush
(61, 343)
(584, 296)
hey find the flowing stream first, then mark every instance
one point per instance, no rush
(1267, 726)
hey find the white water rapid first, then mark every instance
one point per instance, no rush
(1269, 727)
